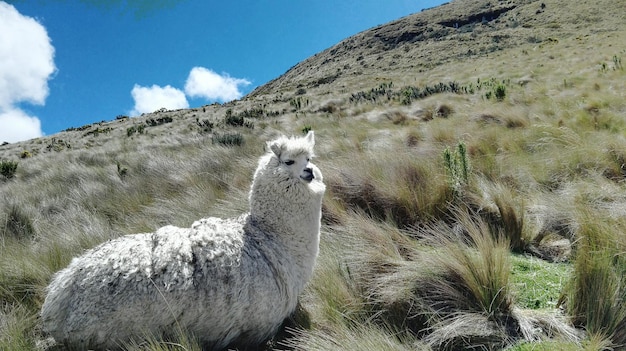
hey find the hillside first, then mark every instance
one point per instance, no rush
(455, 32)
(475, 162)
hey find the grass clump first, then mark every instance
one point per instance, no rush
(596, 294)
(8, 168)
(17, 328)
(16, 223)
(395, 187)
(228, 139)
(456, 294)
(180, 341)
(356, 337)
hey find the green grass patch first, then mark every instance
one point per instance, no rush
(546, 346)
(538, 284)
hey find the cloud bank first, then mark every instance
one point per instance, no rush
(204, 83)
(27, 62)
(201, 83)
(150, 99)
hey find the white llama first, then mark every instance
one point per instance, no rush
(225, 281)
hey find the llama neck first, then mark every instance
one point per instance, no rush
(293, 219)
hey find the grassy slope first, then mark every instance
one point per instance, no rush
(412, 257)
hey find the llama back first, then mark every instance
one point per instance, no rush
(212, 280)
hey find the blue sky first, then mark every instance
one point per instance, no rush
(68, 63)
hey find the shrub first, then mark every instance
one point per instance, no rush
(235, 120)
(131, 130)
(25, 154)
(159, 121)
(256, 112)
(135, 129)
(8, 168)
(500, 92)
(205, 125)
(96, 132)
(229, 139)
(299, 102)
(59, 144)
(383, 90)
(410, 93)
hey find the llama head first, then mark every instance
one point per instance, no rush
(286, 180)
(292, 157)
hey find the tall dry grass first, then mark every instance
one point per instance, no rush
(407, 261)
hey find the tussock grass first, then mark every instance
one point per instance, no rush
(425, 290)
(596, 294)
(180, 341)
(358, 337)
(476, 269)
(17, 328)
(407, 261)
(400, 187)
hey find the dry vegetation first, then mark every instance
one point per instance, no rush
(477, 201)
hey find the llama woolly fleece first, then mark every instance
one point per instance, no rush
(224, 281)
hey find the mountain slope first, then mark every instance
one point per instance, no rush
(458, 31)
(475, 162)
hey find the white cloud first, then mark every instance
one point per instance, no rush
(26, 64)
(150, 99)
(204, 83)
(18, 126)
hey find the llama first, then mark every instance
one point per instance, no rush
(225, 281)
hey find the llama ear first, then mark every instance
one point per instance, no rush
(310, 137)
(276, 147)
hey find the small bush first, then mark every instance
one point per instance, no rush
(135, 129)
(8, 168)
(205, 125)
(26, 154)
(59, 145)
(97, 132)
(299, 102)
(500, 92)
(235, 120)
(232, 139)
(159, 121)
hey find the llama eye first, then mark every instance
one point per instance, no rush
(289, 162)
